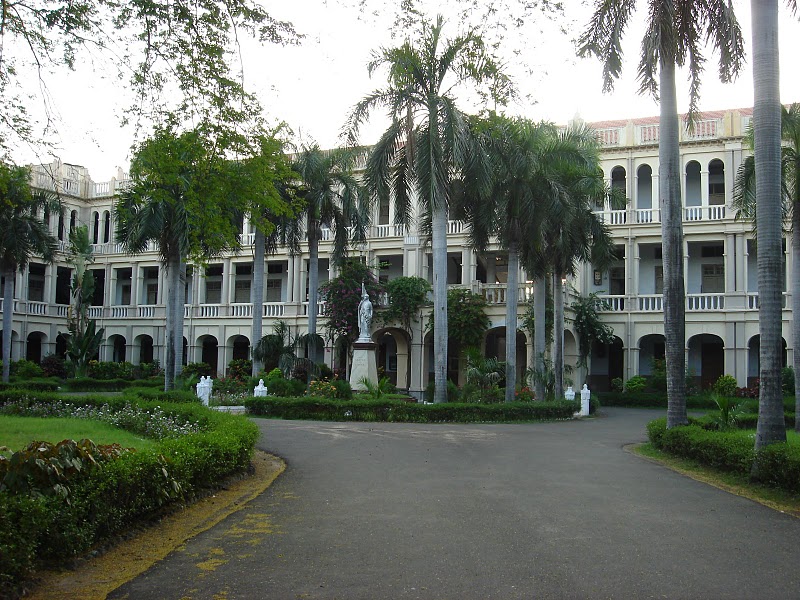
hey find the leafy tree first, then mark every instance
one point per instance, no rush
(744, 201)
(588, 325)
(468, 319)
(342, 295)
(183, 45)
(23, 234)
(332, 197)
(675, 35)
(83, 339)
(428, 143)
(407, 295)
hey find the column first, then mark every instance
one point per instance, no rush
(686, 266)
(201, 285)
(656, 196)
(227, 276)
(48, 285)
(136, 283)
(466, 266)
(417, 387)
(290, 277)
(704, 188)
(632, 269)
(730, 262)
(301, 281)
(161, 297)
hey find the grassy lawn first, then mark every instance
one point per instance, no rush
(18, 432)
(730, 482)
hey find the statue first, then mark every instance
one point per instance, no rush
(364, 315)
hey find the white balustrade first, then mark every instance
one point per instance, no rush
(119, 312)
(650, 302)
(385, 231)
(698, 302)
(716, 212)
(62, 310)
(95, 312)
(455, 227)
(320, 308)
(648, 134)
(273, 309)
(648, 215)
(753, 303)
(241, 310)
(37, 308)
(609, 136)
(613, 303)
(494, 293)
(208, 310)
(146, 312)
(693, 213)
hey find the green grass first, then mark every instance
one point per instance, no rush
(734, 483)
(18, 432)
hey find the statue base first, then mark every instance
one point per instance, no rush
(364, 365)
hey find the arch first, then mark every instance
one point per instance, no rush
(619, 179)
(73, 220)
(106, 227)
(61, 346)
(706, 359)
(716, 182)
(454, 360)
(144, 343)
(61, 227)
(34, 345)
(754, 358)
(394, 353)
(644, 186)
(95, 227)
(694, 195)
(240, 347)
(118, 348)
(606, 363)
(209, 353)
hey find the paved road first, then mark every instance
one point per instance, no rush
(554, 510)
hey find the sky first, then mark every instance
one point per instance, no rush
(312, 86)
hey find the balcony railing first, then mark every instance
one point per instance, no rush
(650, 302)
(714, 212)
(613, 303)
(753, 304)
(705, 302)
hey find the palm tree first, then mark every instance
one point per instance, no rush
(23, 235)
(767, 133)
(745, 204)
(674, 38)
(427, 144)
(332, 197)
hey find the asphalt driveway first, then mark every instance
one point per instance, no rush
(551, 510)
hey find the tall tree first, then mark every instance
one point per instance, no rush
(23, 234)
(676, 33)
(188, 46)
(428, 143)
(745, 204)
(767, 133)
(332, 197)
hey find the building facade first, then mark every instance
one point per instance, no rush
(720, 275)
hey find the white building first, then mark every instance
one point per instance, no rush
(720, 271)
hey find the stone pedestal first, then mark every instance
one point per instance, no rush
(364, 365)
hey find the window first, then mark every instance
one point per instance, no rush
(242, 292)
(36, 290)
(273, 290)
(713, 279)
(125, 294)
(711, 251)
(152, 293)
(617, 281)
(659, 279)
(213, 292)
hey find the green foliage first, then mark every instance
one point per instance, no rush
(377, 391)
(485, 374)
(725, 386)
(407, 412)
(658, 377)
(637, 383)
(279, 350)
(26, 369)
(342, 295)
(649, 399)
(87, 384)
(548, 378)
(54, 366)
(453, 393)
(407, 295)
(529, 322)
(321, 389)
(240, 369)
(787, 381)
(729, 410)
(467, 321)
(110, 370)
(617, 385)
(589, 326)
(116, 494)
(196, 369)
(147, 370)
(343, 389)
(285, 387)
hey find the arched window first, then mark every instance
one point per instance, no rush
(61, 227)
(693, 186)
(716, 182)
(644, 189)
(73, 220)
(95, 227)
(106, 227)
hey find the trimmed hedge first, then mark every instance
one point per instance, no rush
(650, 400)
(107, 500)
(734, 451)
(321, 409)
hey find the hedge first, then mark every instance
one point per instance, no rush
(106, 500)
(650, 400)
(321, 409)
(734, 451)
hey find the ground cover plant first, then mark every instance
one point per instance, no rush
(193, 449)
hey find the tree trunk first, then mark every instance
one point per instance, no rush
(767, 128)
(180, 312)
(259, 244)
(8, 313)
(558, 337)
(313, 287)
(512, 303)
(672, 247)
(172, 268)
(439, 243)
(539, 334)
(796, 304)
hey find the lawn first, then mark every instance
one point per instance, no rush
(18, 432)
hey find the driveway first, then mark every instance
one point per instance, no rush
(550, 510)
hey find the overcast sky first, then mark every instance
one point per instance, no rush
(312, 87)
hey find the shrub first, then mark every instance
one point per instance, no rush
(86, 384)
(230, 385)
(110, 370)
(54, 366)
(725, 386)
(658, 378)
(196, 369)
(146, 370)
(787, 381)
(321, 389)
(343, 389)
(751, 391)
(274, 374)
(729, 411)
(637, 383)
(324, 372)
(26, 369)
(649, 400)
(523, 394)
(617, 385)
(240, 369)
(285, 387)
